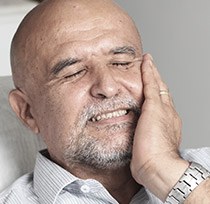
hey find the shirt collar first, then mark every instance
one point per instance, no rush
(49, 178)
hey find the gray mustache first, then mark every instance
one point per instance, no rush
(109, 105)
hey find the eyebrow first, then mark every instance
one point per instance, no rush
(70, 61)
(64, 63)
(124, 50)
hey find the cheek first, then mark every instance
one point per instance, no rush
(133, 82)
(50, 110)
(62, 106)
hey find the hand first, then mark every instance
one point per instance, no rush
(156, 163)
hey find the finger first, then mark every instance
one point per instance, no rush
(164, 91)
(151, 88)
(165, 96)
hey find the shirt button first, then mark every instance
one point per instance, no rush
(85, 188)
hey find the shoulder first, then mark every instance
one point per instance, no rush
(199, 155)
(20, 192)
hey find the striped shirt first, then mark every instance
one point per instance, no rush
(51, 184)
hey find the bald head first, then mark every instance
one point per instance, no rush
(73, 60)
(53, 21)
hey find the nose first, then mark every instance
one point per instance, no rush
(105, 85)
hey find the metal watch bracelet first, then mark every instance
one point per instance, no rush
(191, 178)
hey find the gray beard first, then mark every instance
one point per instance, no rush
(98, 153)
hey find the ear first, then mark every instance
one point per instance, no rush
(20, 104)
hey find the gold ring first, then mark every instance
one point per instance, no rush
(164, 92)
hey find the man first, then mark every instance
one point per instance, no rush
(83, 83)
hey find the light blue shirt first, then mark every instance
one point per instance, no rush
(51, 184)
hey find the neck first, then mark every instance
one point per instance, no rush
(119, 182)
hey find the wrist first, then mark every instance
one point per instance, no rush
(193, 177)
(159, 177)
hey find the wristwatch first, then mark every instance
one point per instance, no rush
(191, 178)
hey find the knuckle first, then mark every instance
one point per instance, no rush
(163, 86)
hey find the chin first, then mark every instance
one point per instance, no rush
(110, 148)
(96, 154)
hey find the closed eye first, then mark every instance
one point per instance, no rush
(77, 74)
(121, 64)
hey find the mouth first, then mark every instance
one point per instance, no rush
(109, 115)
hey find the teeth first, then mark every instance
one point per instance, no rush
(109, 115)
(98, 118)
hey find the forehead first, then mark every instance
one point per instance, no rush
(93, 44)
(91, 37)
